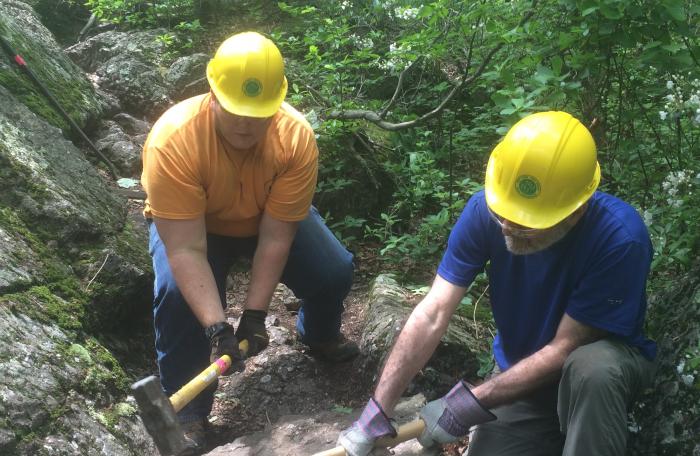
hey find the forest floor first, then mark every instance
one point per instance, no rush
(316, 388)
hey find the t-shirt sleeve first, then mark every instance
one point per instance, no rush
(292, 191)
(467, 250)
(172, 184)
(611, 295)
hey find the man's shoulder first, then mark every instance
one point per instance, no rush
(619, 218)
(177, 118)
(289, 119)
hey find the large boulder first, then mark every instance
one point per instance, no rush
(74, 92)
(454, 358)
(126, 64)
(186, 76)
(75, 274)
(667, 419)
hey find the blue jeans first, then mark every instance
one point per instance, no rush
(319, 271)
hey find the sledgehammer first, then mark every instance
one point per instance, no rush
(158, 412)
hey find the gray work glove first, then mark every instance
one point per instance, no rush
(223, 341)
(450, 417)
(358, 439)
(252, 329)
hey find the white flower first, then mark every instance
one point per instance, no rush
(680, 366)
(406, 13)
(669, 85)
(648, 218)
(345, 4)
(688, 379)
(663, 115)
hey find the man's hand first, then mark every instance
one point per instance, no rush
(450, 417)
(222, 340)
(252, 329)
(358, 440)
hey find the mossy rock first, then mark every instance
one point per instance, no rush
(63, 79)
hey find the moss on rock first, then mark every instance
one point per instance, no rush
(60, 76)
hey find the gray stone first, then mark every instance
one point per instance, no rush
(38, 365)
(51, 180)
(131, 125)
(121, 149)
(19, 263)
(186, 76)
(126, 64)
(307, 435)
(387, 311)
(21, 27)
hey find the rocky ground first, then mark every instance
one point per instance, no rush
(287, 402)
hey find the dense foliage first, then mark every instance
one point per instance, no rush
(397, 174)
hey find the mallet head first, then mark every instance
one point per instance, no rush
(159, 416)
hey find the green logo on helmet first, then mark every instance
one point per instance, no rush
(252, 87)
(527, 186)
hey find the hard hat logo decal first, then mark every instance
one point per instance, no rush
(527, 186)
(252, 87)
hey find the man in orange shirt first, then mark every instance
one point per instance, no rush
(232, 173)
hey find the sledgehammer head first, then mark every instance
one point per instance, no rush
(159, 416)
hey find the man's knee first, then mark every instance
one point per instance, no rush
(343, 273)
(594, 368)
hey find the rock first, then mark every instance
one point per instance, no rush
(20, 264)
(132, 126)
(307, 435)
(190, 69)
(46, 176)
(123, 150)
(126, 64)
(387, 311)
(21, 27)
(39, 363)
(74, 270)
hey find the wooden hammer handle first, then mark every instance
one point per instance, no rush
(405, 432)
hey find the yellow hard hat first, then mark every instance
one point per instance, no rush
(544, 169)
(247, 75)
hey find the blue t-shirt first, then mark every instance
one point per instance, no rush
(596, 274)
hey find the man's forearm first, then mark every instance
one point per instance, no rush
(275, 238)
(268, 263)
(414, 346)
(196, 282)
(539, 369)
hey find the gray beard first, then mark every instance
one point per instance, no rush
(525, 246)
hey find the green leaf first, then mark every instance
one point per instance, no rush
(588, 11)
(341, 409)
(675, 9)
(673, 47)
(543, 75)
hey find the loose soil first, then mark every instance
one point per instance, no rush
(331, 387)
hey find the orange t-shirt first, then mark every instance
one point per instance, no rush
(188, 171)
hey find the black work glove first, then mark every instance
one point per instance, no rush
(252, 329)
(222, 341)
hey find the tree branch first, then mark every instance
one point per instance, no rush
(399, 85)
(378, 118)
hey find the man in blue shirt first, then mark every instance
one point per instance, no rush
(567, 278)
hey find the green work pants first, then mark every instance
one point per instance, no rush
(584, 415)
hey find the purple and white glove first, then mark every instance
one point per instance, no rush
(450, 417)
(358, 439)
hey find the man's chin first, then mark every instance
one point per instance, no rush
(522, 246)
